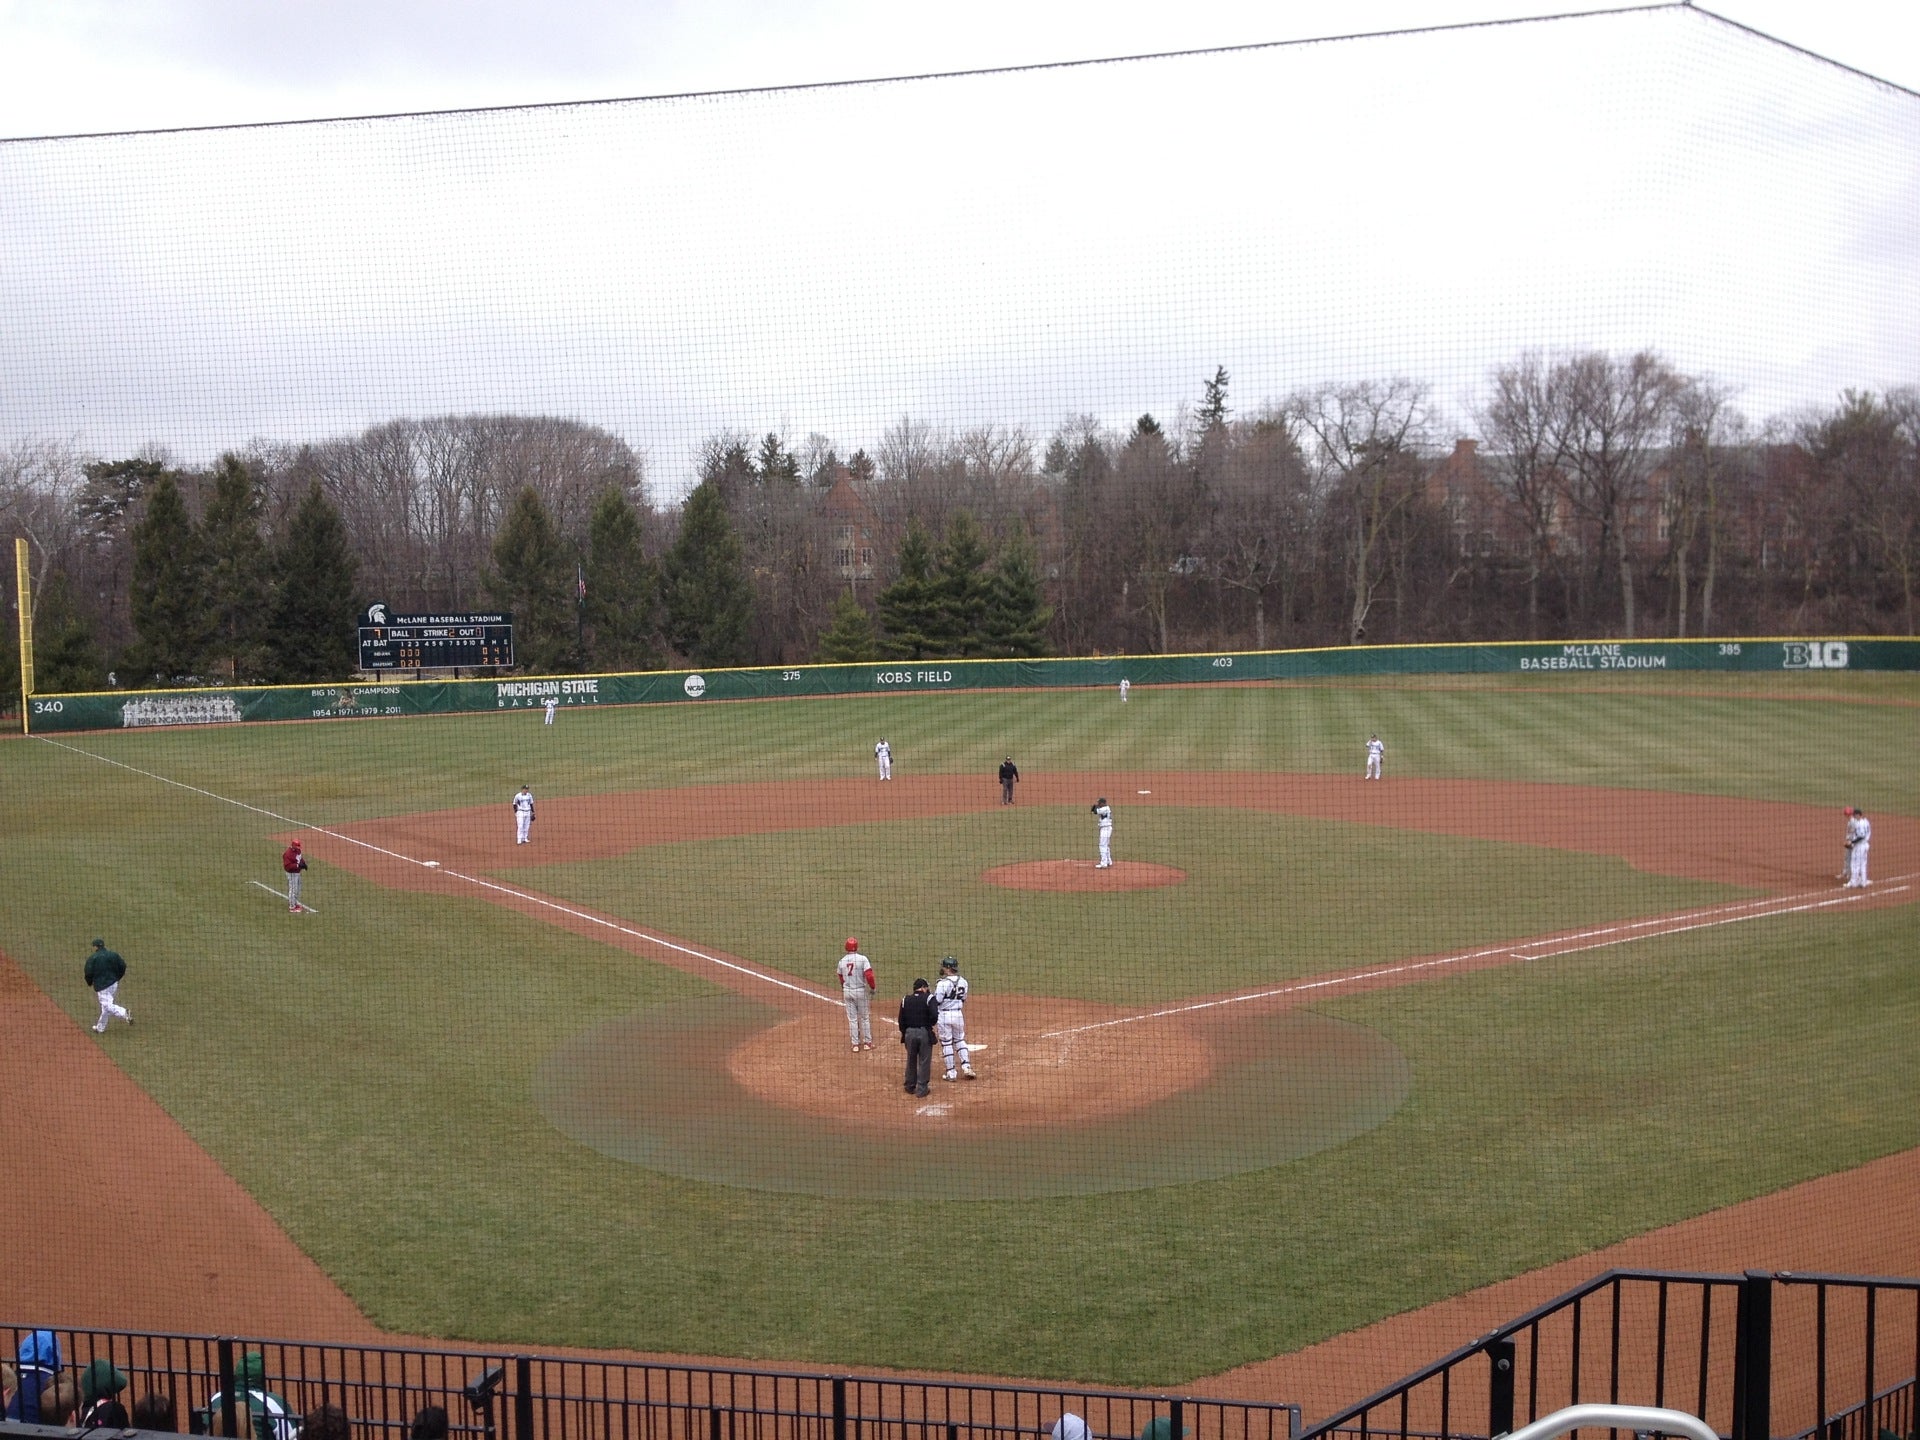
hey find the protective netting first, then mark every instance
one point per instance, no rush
(1572, 978)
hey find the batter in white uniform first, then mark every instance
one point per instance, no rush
(522, 815)
(1376, 754)
(1103, 814)
(1859, 837)
(883, 757)
(950, 1018)
(856, 989)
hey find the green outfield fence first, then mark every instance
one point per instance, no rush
(126, 709)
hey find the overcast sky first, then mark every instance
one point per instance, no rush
(1013, 249)
(71, 66)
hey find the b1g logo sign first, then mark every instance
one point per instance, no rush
(1815, 655)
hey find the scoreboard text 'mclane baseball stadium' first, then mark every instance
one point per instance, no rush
(434, 642)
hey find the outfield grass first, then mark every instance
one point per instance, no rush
(367, 1074)
(1268, 898)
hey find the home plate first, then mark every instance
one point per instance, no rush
(933, 1109)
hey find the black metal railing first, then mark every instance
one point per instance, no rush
(1809, 1357)
(1753, 1355)
(493, 1396)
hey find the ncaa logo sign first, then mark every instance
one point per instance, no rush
(695, 686)
(1814, 655)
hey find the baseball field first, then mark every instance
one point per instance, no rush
(1316, 1051)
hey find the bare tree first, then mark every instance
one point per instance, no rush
(1261, 521)
(1364, 442)
(1517, 425)
(1608, 421)
(1708, 437)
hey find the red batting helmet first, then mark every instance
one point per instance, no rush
(852, 944)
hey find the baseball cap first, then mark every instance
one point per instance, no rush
(920, 982)
(1161, 1428)
(98, 943)
(1069, 1427)
(949, 963)
(852, 944)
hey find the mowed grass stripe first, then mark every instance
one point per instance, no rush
(1268, 898)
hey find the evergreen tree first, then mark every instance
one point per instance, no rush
(65, 657)
(962, 587)
(168, 594)
(623, 588)
(708, 601)
(775, 463)
(314, 608)
(236, 571)
(533, 577)
(909, 608)
(1017, 615)
(851, 638)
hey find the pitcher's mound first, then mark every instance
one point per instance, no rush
(1083, 875)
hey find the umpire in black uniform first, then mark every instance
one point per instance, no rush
(916, 1033)
(1009, 773)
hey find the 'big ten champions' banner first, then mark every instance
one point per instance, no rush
(113, 710)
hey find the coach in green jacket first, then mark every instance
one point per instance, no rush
(105, 971)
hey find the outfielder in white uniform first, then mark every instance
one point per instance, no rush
(856, 989)
(1125, 685)
(1376, 754)
(522, 815)
(552, 701)
(883, 757)
(1103, 814)
(1859, 838)
(950, 1018)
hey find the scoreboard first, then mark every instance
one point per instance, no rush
(434, 642)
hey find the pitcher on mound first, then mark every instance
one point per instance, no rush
(950, 1018)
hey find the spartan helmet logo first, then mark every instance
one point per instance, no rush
(376, 614)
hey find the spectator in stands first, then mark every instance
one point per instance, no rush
(1069, 1427)
(154, 1411)
(270, 1419)
(1161, 1428)
(39, 1368)
(100, 1387)
(326, 1422)
(429, 1424)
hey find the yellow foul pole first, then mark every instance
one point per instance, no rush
(22, 574)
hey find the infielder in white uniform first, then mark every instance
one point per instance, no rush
(552, 701)
(950, 1018)
(883, 757)
(1376, 753)
(522, 815)
(1859, 838)
(856, 989)
(1103, 814)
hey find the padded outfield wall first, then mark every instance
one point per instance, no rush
(114, 710)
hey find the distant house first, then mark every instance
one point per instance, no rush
(852, 525)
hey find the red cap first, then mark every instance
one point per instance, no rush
(296, 844)
(852, 944)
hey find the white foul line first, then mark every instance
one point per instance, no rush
(526, 895)
(281, 895)
(1719, 915)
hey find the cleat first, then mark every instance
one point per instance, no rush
(968, 1072)
(950, 1076)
